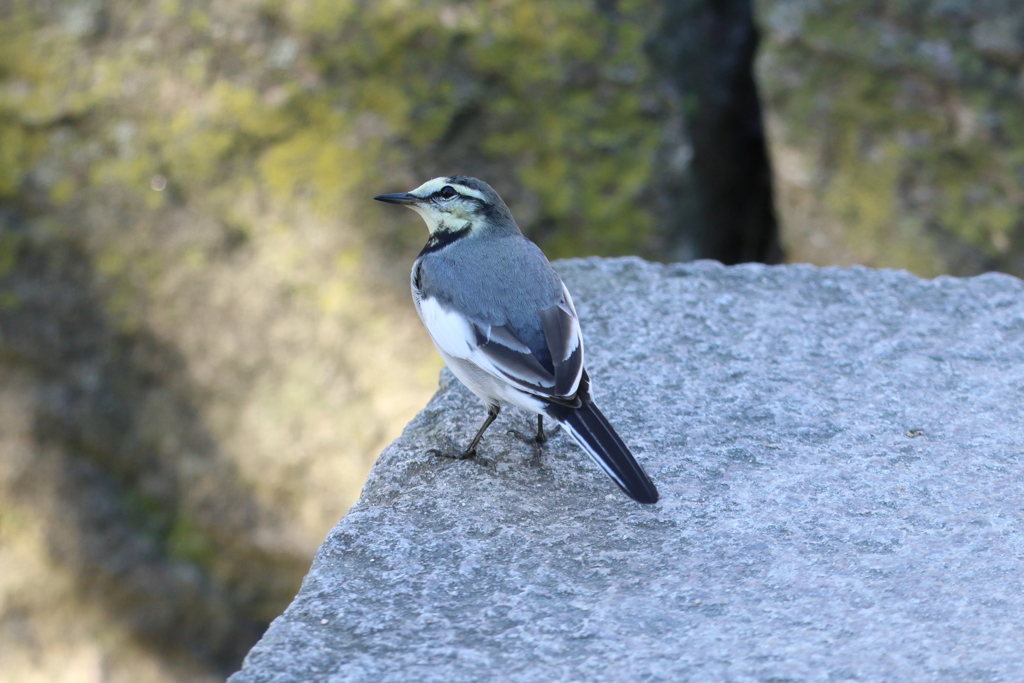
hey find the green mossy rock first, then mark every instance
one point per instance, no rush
(897, 131)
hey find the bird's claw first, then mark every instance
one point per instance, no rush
(464, 455)
(451, 450)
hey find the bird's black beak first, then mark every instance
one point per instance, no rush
(400, 198)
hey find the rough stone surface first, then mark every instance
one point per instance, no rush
(839, 456)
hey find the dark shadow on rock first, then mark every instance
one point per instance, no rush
(705, 50)
(139, 503)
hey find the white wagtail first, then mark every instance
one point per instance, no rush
(504, 322)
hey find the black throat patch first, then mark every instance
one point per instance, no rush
(442, 238)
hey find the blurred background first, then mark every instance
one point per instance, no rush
(206, 335)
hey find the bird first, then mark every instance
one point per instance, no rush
(505, 323)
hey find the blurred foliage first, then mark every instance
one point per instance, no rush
(332, 96)
(559, 85)
(906, 125)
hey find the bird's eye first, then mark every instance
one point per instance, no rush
(447, 192)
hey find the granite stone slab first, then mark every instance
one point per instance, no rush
(840, 458)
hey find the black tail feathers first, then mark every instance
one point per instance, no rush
(595, 435)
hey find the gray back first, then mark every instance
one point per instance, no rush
(503, 280)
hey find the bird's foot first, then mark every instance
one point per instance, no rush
(452, 451)
(464, 455)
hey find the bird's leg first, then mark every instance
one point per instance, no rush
(536, 441)
(492, 414)
(541, 436)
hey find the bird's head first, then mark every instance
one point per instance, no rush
(456, 204)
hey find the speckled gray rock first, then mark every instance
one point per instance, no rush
(840, 459)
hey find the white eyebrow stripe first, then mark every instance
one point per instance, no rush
(431, 186)
(468, 191)
(428, 188)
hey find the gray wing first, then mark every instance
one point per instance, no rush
(550, 364)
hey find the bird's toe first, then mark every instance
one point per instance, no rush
(452, 454)
(449, 449)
